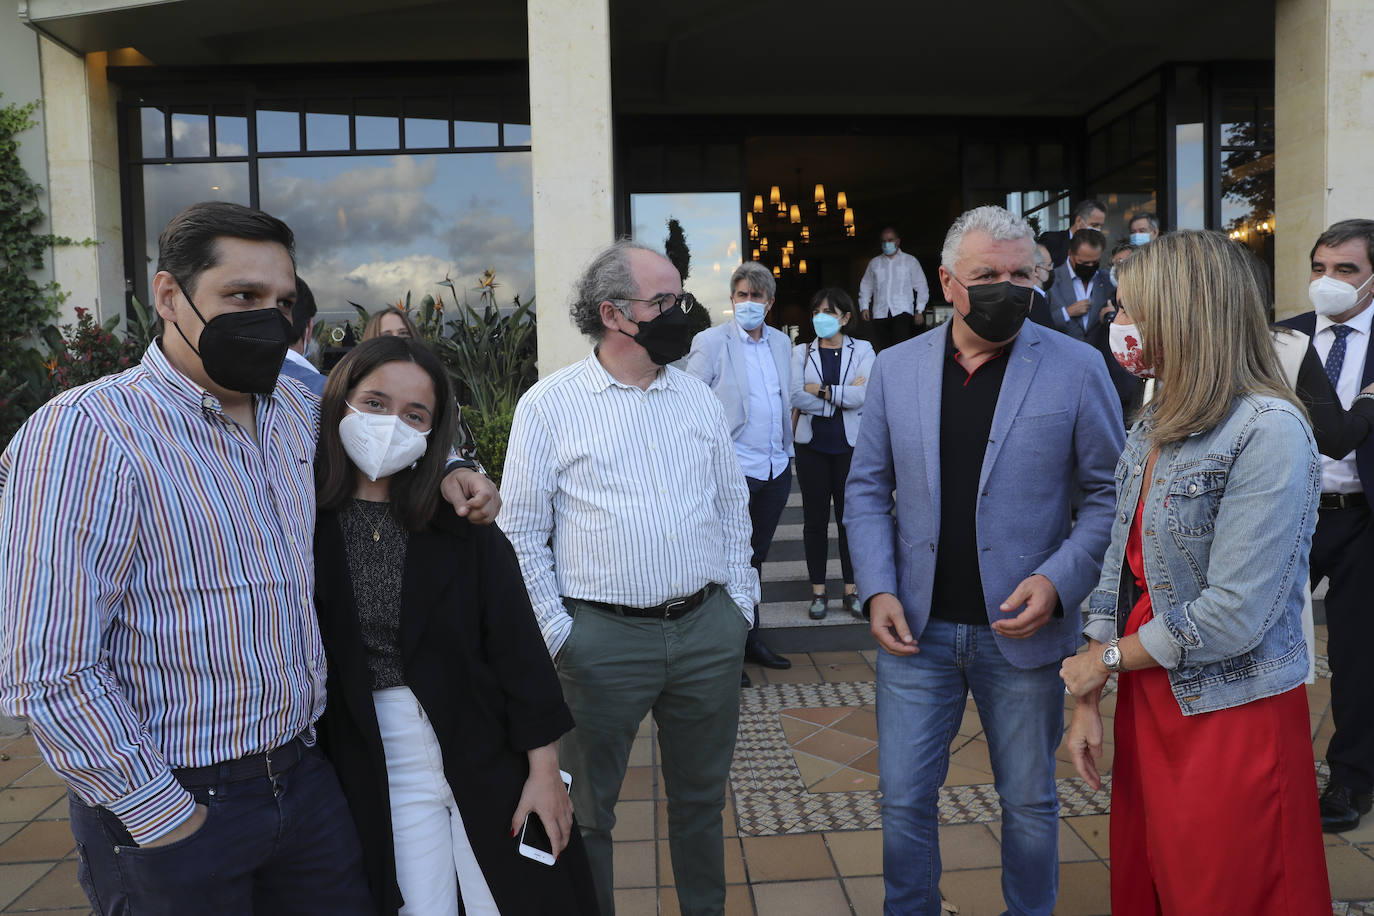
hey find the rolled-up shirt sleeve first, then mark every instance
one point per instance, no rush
(68, 534)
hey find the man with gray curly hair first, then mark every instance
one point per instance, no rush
(959, 511)
(629, 514)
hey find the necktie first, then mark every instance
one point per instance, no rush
(1336, 358)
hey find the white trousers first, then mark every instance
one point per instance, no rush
(434, 861)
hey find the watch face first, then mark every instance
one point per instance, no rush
(1111, 657)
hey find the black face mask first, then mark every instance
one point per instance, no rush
(665, 338)
(1085, 272)
(242, 351)
(996, 311)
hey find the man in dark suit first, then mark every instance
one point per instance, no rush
(1044, 279)
(1089, 214)
(1342, 547)
(1081, 289)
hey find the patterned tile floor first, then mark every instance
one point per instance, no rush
(802, 826)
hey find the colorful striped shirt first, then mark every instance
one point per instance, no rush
(156, 585)
(629, 496)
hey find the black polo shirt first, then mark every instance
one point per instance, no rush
(967, 403)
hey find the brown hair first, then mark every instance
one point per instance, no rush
(414, 492)
(1202, 324)
(374, 324)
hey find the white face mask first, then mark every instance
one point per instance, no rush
(750, 314)
(1330, 296)
(889, 248)
(1125, 344)
(380, 444)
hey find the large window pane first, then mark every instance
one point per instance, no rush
(369, 229)
(1190, 151)
(169, 189)
(1126, 192)
(517, 134)
(711, 223)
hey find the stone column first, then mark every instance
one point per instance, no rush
(570, 135)
(83, 180)
(1324, 113)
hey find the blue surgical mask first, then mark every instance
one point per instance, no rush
(1140, 238)
(825, 325)
(750, 314)
(889, 248)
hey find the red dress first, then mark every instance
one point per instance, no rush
(1213, 813)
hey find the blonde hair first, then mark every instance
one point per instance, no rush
(1200, 312)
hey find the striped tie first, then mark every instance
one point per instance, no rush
(1336, 358)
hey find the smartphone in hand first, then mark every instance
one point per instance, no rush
(534, 839)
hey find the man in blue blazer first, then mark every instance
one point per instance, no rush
(302, 317)
(1341, 292)
(749, 366)
(1081, 288)
(958, 507)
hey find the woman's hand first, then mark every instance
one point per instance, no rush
(859, 381)
(546, 796)
(1083, 673)
(812, 388)
(1084, 740)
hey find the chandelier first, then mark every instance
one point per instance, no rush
(795, 224)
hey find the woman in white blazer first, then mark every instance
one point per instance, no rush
(829, 376)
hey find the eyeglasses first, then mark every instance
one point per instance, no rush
(667, 301)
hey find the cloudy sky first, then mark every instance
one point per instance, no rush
(368, 228)
(711, 223)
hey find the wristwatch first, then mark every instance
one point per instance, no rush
(1111, 656)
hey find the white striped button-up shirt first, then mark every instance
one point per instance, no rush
(156, 582)
(612, 493)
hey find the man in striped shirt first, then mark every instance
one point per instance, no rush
(156, 619)
(628, 511)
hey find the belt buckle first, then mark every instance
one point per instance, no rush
(272, 773)
(670, 606)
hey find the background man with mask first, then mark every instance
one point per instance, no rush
(749, 367)
(630, 517)
(1144, 228)
(1081, 289)
(975, 581)
(156, 581)
(893, 293)
(1343, 545)
(1088, 214)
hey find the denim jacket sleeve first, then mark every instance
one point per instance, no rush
(1263, 532)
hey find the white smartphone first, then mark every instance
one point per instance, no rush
(534, 839)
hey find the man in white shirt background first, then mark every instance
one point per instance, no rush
(893, 293)
(749, 367)
(302, 327)
(1341, 290)
(630, 517)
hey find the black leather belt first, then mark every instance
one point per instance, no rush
(264, 765)
(673, 609)
(1343, 500)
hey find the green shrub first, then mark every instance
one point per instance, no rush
(491, 431)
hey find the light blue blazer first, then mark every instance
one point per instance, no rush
(856, 361)
(310, 378)
(1057, 428)
(717, 358)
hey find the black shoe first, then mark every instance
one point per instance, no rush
(744, 679)
(757, 652)
(854, 606)
(1341, 807)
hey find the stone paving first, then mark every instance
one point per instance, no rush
(802, 826)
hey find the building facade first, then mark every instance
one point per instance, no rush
(415, 146)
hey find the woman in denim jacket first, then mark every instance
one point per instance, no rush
(1200, 607)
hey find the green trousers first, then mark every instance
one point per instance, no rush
(614, 671)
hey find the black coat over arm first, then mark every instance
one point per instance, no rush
(473, 656)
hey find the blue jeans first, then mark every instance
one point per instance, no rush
(920, 705)
(288, 848)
